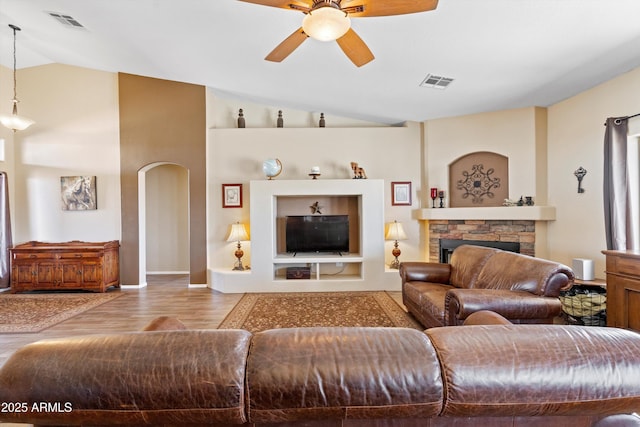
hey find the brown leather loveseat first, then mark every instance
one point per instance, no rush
(478, 375)
(521, 288)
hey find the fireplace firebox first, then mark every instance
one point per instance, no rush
(447, 246)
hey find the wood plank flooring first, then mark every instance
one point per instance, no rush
(165, 295)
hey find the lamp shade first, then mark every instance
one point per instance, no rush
(326, 23)
(395, 231)
(237, 233)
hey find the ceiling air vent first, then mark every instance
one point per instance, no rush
(436, 82)
(66, 20)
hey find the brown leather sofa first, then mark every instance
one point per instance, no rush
(521, 288)
(478, 375)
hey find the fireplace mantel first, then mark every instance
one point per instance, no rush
(532, 213)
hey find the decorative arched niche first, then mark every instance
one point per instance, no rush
(479, 179)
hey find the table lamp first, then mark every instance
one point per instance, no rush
(238, 233)
(395, 232)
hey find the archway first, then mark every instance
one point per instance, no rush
(163, 215)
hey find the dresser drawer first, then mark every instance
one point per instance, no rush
(628, 266)
(76, 255)
(34, 255)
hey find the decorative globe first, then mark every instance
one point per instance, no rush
(272, 168)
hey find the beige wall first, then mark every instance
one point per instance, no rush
(77, 127)
(167, 219)
(576, 135)
(389, 153)
(511, 133)
(76, 133)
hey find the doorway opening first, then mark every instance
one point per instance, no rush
(163, 197)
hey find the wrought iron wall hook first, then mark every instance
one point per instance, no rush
(580, 173)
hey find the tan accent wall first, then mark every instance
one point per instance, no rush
(162, 121)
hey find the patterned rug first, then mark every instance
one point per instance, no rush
(30, 313)
(258, 312)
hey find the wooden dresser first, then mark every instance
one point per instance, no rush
(59, 266)
(623, 289)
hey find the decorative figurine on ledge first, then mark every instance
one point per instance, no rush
(322, 123)
(280, 121)
(358, 172)
(241, 121)
(315, 172)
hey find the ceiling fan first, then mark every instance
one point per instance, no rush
(329, 20)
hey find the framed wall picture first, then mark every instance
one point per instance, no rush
(231, 195)
(401, 193)
(78, 193)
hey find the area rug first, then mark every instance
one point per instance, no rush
(30, 313)
(258, 312)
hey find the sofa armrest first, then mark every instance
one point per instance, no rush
(485, 317)
(513, 305)
(175, 377)
(433, 272)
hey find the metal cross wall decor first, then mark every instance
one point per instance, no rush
(478, 183)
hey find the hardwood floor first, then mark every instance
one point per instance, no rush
(198, 308)
(165, 295)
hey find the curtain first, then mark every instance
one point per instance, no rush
(6, 241)
(620, 221)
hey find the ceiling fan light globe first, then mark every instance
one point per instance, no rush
(326, 24)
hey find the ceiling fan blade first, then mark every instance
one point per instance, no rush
(365, 8)
(289, 44)
(284, 4)
(356, 49)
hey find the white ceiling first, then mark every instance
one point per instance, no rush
(502, 53)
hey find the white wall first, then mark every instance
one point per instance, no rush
(576, 135)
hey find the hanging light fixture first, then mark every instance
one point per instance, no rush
(14, 121)
(326, 21)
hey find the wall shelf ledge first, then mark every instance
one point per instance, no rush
(533, 213)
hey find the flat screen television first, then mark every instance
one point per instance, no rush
(313, 233)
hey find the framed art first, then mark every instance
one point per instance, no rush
(78, 193)
(231, 195)
(401, 193)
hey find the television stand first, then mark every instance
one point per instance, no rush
(327, 266)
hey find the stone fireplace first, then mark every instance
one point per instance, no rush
(524, 225)
(495, 233)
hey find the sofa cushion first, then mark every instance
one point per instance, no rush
(540, 370)
(430, 297)
(342, 373)
(467, 262)
(517, 272)
(174, 377)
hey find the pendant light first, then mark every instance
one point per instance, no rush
(14, 121)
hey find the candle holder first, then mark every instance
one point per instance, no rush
(441, 196)
(434, 196)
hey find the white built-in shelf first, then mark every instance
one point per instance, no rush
(534, 213)
(302, 258)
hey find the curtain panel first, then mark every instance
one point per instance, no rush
(6, 240)
(621, 220)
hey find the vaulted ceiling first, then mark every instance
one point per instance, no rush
(501, 54)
